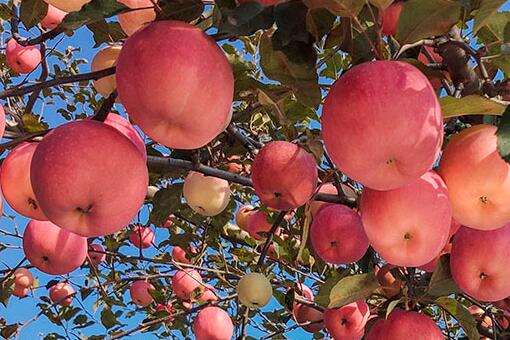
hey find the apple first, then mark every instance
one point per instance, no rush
(180, 255)
(139, 292)
(479, 262)
(258, 223)
(141, 237)
(53, 250)
(284, 175)
(187, 108)
(347, 322)
(480, 315)
(168, 223)
(62, 293)
(88, 178)
(105, 58)
(306, 313)
(2, 120)
(184, 282)
(337, 234)
(388, 104)
(68, 5)
(213, 323)
(208, 294)
(233, 166)
(20, 291)
(266, 3)
(134, 20)
(53, 18)
(478, 179)
(399, 222)
(405, 325)
(22, 59)
(96, 253)
(436, 82)
(303, 291)
(254, 290)
(330, 188)
(243, 215)
(23, 278)
(390, 285)
(206, 195)
(388, 18)
(168, 308)
(16, 184)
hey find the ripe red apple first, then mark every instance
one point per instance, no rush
(263, 2)
(23, 278)
(187, 116)
(254, 290)
(388, 18)
(478, 179)
(168, 308)
(184, 282)
(134, 20)
(405, 325)
(88, 178)
(53, 18)
(284, 175)
(105, 58)
(180, 255)
(399, 222)
(62, 293)
(390, 285)
(213, 323)
(480, 315)
(330, 188)
(243, 215)
(347, 322)
(2, 120)
(337, 234)
(68, 5)
(168, 223)
(303, 291)
(208, 294)
(22, 59)
(257, 224)
(123, 125)
(388, 104)
(377, 330)
(15, 182)
(53, 250)
(206, 195)
(139, 292)
(479, 262)
(141, 237)
(96, 253)
(306, 313)
(20, 291)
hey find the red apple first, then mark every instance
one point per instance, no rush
(168, 308)
(16, 184)
(266, 3)
(208, 294)
(257, 224)
(134, 20)
(53, 18)
(88, 178)
(188, 107)
(22, 59)
(62, 293)
(96, 253)
(347, 322)
(2, 120)
(330, 188)
(180, 255)
(243, 215)
(124, 126)
(184, 282)
(53, 250)
(139, 292)
(141, 237)
(284, 175)
(309, 314)
(388, 18)
(377, 330)
(169, 221)
(23, 278)
(20, 291)
(382, 124)
(390, 285)
(479, 262)
(213, 323)
(400, 224)
(405, 325)
(480, 316)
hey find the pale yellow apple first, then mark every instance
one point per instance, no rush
(68, 5)
(254, 290)
(132, 21)
(206, 195)
(104, 59)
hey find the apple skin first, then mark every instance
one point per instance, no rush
(478, 179)
(265, 3)
(95, 257)
(306, 313)
(184, 282)
(167, 308)
(68, 5)
(22, 59)
(53, 250)
(20, 291)
(284, 175)
(330, 188)
(187, 116)
(16, 184)
(206, 195)
(254, 290)
(213, 323)
(479, 315)
(405, 325)
(390, 285)
(105, 58)
(123, 125)
(141, 237)
(134, 20)
(139, 292)
(59, 293)
(337, 234)
(180, 255)
(243, 215)
(305, 292)
(258, 223)
(208, 294)
(88, 178)
(397, 111)
(479, 262)
(399, 224)
(2, 120)
(53, 18)
(168, 223)
(23, 278)
(388, 18)
(347, 322)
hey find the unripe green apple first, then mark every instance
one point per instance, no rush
(254, 290)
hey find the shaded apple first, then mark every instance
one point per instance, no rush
(141, 237)
(184, 282)
(388, 18)
(213, 323)
(263, 2)
(53, 18)
(206, 195)
(168, 308)
(68, 5)
(139, 292)
(243, 215)
(96, 253)
(134, 20)
(20, 291)
(347, 322)
(105, 58)
(22, 59)
(258, 223)
(330, 188)
(62, 293)
(180, 255)
(23, 278)
(208, 294)
(390, 285)
(306, 313)
(254, 290)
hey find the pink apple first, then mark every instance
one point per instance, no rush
(53, 18)
(134, 20)
(330, 188)
(139, 292)
(184, 282)
(263, 2)
(2, 120)
(23, 278)
(187, 116)
(309, 314)
(405, 325)
(213, 323)
(62, 293)
(16, 184)
(180, 255)
(390, 285)
(20, 291)
(284, 175)
(141, 237)
(388, 18)
(479, 262)
(168, 223)
(243, 215)
(347, 322)
(96, 253)
(399, 222)
(303, 291)
(208, 294)
(22, 59)
(337, 234)
(124, 126)
(168, 308)
(53, 250)
(382, 124)
(88, 178)
(257, 224)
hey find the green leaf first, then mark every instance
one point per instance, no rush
(503, 134)
(5, 12)
(93, 11)
(32, 12)
(441, 283)
(470, 105)
(166, 201)
(245, 19)
(460, 312)
(344, 8)
(106, 32)
(348, 289)
(32, 123)
(108, 319)
(424, 19)
(183, 10)
(487, 9)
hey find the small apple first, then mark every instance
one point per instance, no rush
(168, 308)
(180, 255)
(139, 292)
(388, 18)
(96, 253)
(23, 278)
(184, 282)
(105, 58)
(243, 215)
(306, 313)
(206, 195)
(141, 237)
(132, 21)
(68, 5)
(62, 293)
(20, 291)
(53, 18)
(258, 223)
(254, 290)
(208, 294)
(213, 323)
(347, 322)
(22, 59)
(390, 285)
